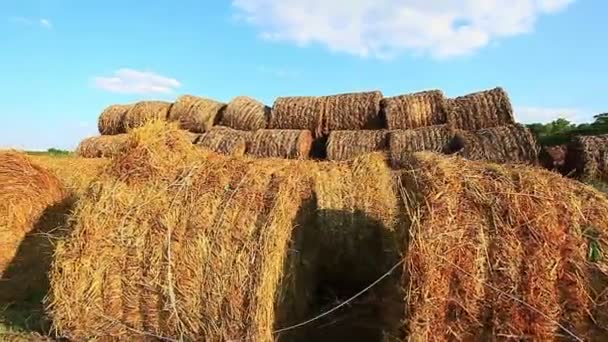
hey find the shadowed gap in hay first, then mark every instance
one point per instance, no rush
(25, 283)
(344, 267)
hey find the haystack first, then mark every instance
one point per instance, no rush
(499, 251)
(112, 120)
(405, 142)
(426, 108)
(320, 115)
(146, 111)
(103, 146)
(290, 144)
(26, 191)
(196, 114)
(225, 141)
(246, 114)
(211, 253)
(484, 109)
(346, 145)
(588, 157)
(506, 144)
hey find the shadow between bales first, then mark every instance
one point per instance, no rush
(25, 282)
(337, 254)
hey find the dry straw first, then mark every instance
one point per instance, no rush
(207, 248)
(76, 173)
(290, 144)
(553, 157)
(104, 146)
(405, 142)
(246, 114)
(146, 111)
(225, 141)
(196, 114)
(484, 109)
(26, 190)
(506, 144)
(346, 145)
(426, 108)
(588, 157)
(503, 251)
(111, 121)
(348, 111)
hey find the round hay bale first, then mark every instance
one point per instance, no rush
(484, 109)
(111, 121)
(403, 143)
(196, 114)
(297, 113)
(246, 114)
(274, 143)
(426, 108)
(352, 111)
(144, 112)
(214, 254)
(225, 141)
(506, 144)
(587, 157)
(509, 242)
(104, 146)
(26, 191)
(346, 145)
(322, 114)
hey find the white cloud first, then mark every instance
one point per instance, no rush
(130, 81)
(43, 22)
(384, 28)
(46, 23)
(546, 114)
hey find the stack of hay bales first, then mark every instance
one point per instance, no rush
(144, 112)
(26, 191)
(506, 144)
(103, 146)
(112, 120)
(587, 157)
(484, 109)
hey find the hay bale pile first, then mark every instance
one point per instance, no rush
(225, 141)
(405, 142)
(484, 109)
(103, 146)
(506, 144)
(26, 191)
(246, 114)
(196, 114)
(112, 120)
(144, 112)
(426, 108)
(323, 114)
(346, 145)
(499, 251)
(587, 157)
(274, 143)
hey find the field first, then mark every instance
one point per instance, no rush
(347, 217)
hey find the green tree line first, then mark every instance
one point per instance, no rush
(560, 131)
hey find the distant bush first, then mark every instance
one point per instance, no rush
(57, 152)
(560, 131)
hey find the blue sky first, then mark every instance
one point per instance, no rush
(63, 61)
